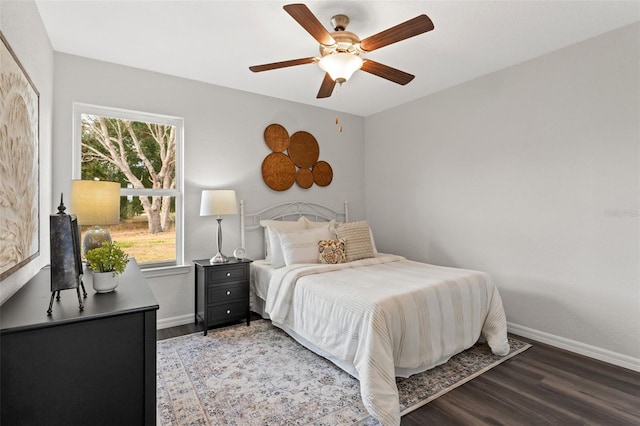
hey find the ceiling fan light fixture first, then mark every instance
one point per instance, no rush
(340, 65)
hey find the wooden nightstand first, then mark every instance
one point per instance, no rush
(221, 292)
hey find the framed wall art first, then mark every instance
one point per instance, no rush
(19, 164)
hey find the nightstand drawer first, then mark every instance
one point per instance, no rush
(227, 273)
(226, 312)
(222, 293)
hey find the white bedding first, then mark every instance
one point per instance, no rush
(261, 272)
(384, 316)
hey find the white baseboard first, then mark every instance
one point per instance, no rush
(540, 336)
(595, 352)
(174, 321)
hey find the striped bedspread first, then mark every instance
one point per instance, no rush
(387, 316)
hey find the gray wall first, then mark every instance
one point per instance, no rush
(22, 27)
(531, 174)
(223, 148)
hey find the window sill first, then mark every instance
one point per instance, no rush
(166, 271)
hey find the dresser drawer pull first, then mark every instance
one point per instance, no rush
(228, 274)
(228, 311)
(228, 293)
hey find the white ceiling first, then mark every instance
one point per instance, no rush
(216, 41)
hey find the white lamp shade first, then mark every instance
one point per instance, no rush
(95, 202)
(218, 202)
(341, 66)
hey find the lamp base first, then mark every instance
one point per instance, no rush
(93, 238)
(219, 258)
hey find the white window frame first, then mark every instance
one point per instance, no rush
(151, 269)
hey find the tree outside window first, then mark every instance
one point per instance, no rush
(139, 152)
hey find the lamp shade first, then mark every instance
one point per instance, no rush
(340, 66)
(95, 202)
(218, 202)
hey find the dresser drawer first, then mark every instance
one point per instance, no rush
(226, 312)
(227, 273)
(223, 293)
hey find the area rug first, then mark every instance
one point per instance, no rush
(258, 375)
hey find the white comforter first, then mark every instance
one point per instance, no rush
(387, 314)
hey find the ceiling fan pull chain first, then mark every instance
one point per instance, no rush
(339, 113)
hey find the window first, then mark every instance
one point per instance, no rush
(142, 152)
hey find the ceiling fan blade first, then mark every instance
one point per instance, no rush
(283, 64)
(412, 27)
(309, 22)
(326, 88)
(387, 72)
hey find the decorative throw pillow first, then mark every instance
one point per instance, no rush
(332, 251)
(302, 246)
(357, 237)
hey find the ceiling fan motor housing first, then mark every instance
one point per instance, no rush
(346, 42)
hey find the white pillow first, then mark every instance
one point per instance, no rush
(275, 247)
(309, 224)
(373, 243)
(302, 246)
(285, 225)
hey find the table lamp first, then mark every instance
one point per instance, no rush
(218, 202)
(95, 202)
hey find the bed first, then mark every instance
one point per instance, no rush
(374, 315)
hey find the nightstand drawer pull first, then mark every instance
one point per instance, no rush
(227, 312)
(228, 274)
(227, 292)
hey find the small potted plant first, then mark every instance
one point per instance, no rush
(106, 262)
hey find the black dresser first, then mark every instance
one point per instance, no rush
(221, 292)
(96, 366)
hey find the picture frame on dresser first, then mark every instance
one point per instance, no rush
(19, 183)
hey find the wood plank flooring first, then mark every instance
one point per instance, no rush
(541, 386)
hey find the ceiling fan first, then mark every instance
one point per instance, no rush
(341, 49)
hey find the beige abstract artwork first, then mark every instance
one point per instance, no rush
(19, 174)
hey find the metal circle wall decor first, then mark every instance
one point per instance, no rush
(299, 164)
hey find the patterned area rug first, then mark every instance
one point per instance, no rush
(258, 375)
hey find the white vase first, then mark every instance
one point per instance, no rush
(104, 282)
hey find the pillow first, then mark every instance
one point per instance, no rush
(309, 224)
(285, 225)
(373, 242)
(275, 250)
(302, 246)
(357, 236)
(332, 251)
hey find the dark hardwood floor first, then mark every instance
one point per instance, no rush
(541, 386)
